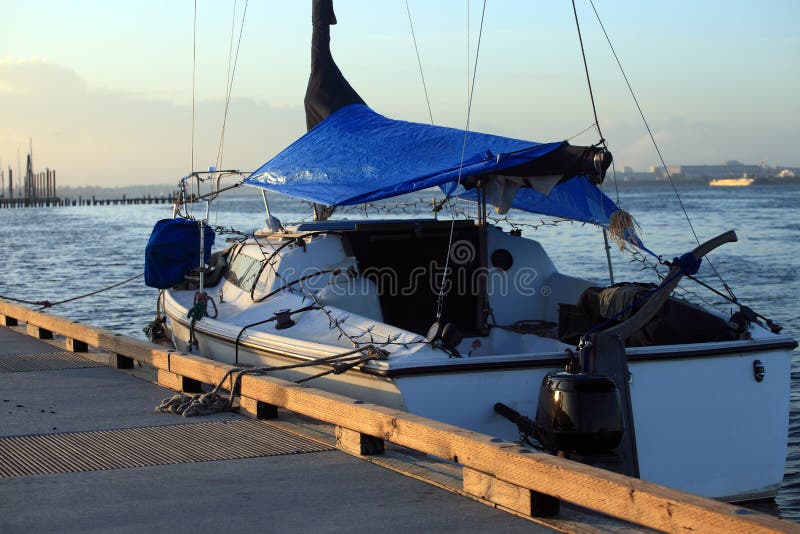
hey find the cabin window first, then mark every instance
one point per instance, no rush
(243, 271)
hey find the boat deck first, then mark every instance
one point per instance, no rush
(81, 449)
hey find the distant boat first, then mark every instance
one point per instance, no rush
(732, 182)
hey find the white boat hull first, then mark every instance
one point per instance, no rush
(703, 423)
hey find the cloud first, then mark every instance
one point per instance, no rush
(94, 136)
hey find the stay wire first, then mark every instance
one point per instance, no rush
(230, 48)
(440, 303)
(591, 93)
(655, 145)
(227, 85)
(586, 70)
(194, 69)
(419, 63)
(230, 88)
(593, 125)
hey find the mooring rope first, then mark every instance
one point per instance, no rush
(213, 401)
(47, 304)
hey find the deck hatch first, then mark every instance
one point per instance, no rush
(44, 361)
(74, 452)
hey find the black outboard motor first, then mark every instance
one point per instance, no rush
(578, 413)
(579, 416)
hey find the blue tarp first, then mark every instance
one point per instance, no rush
(173, 250)
(357, 155)
(576, 199)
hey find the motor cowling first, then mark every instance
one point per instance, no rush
(579, 413)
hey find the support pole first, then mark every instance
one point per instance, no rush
(608, 257)
(202, 225)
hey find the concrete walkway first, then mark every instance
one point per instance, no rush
(290, 491)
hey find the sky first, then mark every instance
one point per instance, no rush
(104, 90)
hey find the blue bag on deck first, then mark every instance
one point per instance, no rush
(172, 251)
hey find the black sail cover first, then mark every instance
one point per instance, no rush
(327, 90)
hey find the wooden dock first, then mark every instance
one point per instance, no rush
(305, 490)
(38, 190)
(47, 202)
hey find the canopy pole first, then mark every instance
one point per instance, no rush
(202, 225)
(483, 247)
(273, 223)
(266, 204)
(608, 257)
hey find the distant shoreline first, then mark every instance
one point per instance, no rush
(698, 181)
(157, 190)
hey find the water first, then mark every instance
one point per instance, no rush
(58, 253)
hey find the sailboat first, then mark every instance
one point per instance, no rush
(467, 323)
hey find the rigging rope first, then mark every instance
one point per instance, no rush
(600, 133)
(440, 302)
(586, 69)
(230, 87)
(419, 62)
(227, 85)
(194, 68)
(655, 144)
(213, 401)
(593, 125)
(47, 304)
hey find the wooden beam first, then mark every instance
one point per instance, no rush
(509, 496)
(257, 409)
(5, 320)
(357, 443)
(178, 382)
(169, 380)
(119, 361)
(76, 345)
(202, 369)
(38, 332)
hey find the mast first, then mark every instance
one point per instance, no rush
(327, 90)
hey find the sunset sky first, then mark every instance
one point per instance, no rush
(104, 89)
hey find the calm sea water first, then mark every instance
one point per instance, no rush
(58, 253)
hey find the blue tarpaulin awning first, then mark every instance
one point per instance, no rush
(356, 155)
